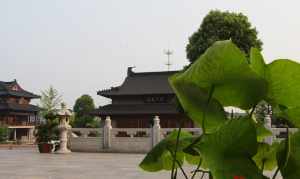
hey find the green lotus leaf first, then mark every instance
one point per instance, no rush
(192, 155)
(262, 132)
(160, 157)
(167, 160)
(225, 69)
(266, 156)
(288, 157)
(283, 78)
(228, 152)
(192, 159)
(292, 114)
(257, 62)
(194, 101)
(225, 66)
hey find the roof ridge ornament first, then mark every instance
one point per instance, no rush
(129, 71)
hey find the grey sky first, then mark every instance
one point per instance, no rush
(81, 46)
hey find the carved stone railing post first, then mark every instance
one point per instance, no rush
(131, 135)
(268, 125)
(84, 133)
(107, 133)
(31, 135)
(155, 134)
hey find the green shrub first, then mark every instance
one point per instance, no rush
(4, 133)
(47, 131)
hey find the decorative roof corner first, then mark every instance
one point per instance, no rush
(105, 91)
(12, 88)
(129, 71)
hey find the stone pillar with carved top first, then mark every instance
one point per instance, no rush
(107, 133)
(268, 125)
(31, 134)
(155, 134)
(84, 133)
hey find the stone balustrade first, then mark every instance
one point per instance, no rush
(131, 132)
(86, 139)
(135, 140)
(193, 131)
(280, 133)
(87, 132)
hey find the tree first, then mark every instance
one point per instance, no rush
(50, 101)
(218, 25)
(82, 108)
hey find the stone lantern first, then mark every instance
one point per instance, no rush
(63, 127)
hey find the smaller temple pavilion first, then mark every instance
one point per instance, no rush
(16, 112)
(140, 98)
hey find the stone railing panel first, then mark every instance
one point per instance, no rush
(194, 131)
(89, 144)
(87, 132)
(131, 132)
(133, 142)
(280, 133)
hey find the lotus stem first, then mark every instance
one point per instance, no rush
(197, 169)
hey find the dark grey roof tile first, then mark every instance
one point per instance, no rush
(127, 109)
(18, 107)
(142, 84)
(5, 90)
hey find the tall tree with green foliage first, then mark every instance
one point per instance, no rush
(50, 101)
(218, 25)
(83, 107)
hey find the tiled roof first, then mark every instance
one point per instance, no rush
(18, 107)
(142, 84)
(5, 90)
(127, 109)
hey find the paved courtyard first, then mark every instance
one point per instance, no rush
(29, 164)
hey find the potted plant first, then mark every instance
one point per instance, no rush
(44, 136)
(46, 133)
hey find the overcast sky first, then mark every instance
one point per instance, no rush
(81, 46)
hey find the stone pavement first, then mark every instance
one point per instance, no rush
(27, 163)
